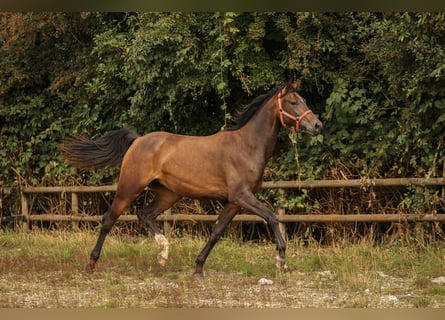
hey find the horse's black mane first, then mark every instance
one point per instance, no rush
(249, 110)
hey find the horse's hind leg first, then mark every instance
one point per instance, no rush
(120, 202)
(163, 200)
(127, 190)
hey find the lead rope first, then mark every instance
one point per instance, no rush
(293, 136)
(293, 131)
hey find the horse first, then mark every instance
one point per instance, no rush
(226, 166)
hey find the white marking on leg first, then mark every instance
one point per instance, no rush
(162, 241)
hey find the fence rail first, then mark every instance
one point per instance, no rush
(27, 216)
(353, 183)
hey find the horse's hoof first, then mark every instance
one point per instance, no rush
(280, 264)
(162, 260)
(198, 275)
(89, 268)
(283, 268)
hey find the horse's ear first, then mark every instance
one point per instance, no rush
(296, 85)
(288, 86)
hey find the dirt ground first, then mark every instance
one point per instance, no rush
(45, 270)
(217, 289)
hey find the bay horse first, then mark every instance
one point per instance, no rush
(226, 166)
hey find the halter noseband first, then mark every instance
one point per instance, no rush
(287, 114)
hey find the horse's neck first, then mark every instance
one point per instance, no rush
(262, 131)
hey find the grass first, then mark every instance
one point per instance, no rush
(44, 269)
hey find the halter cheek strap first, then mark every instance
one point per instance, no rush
(296, 119)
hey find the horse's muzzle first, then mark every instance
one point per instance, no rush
(313, 127)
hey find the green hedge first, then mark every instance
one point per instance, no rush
(375, 79)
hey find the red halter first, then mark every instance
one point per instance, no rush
(296, 119)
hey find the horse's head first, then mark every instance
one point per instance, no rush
(294, 111)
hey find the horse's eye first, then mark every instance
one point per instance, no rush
(294, 103)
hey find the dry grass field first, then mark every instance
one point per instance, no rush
(44, 269)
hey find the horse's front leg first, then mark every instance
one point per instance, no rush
(220, 225)
(248, 201)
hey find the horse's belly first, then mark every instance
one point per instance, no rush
(199, 187)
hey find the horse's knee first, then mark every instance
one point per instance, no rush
(141, 214)
(272, 221)
(108, 221)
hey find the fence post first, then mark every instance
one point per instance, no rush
(281, 212)
(443, 175)
(75, 209)
(167, 224)
(25, 211)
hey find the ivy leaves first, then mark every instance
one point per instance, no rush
(376, 80)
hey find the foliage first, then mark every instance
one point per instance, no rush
(383, 110)
(375, 79)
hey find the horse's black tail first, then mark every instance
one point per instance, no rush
(107, 150)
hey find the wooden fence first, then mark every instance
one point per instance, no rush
(74, 216)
